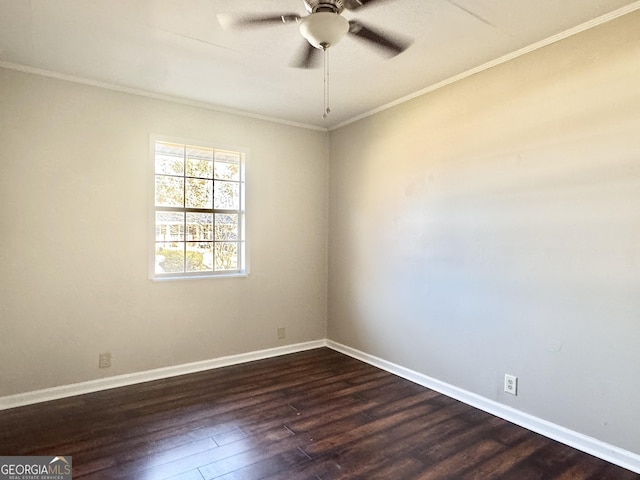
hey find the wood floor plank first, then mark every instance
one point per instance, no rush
(190, 475)
(403, 467)
(363, 430)
(316, 415)
(581, 471)
(464, 460)
(496, 468)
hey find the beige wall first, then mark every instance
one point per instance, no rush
(74, 167)
(490, 227)
(493, 227)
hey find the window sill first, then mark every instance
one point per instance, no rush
(198, 277)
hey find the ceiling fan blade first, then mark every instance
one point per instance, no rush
(308, 57)
(356, 4)
(378, 39)
(230, 21)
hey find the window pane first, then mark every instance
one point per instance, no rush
(226, 196)
(169, 165)
(169, 158)
(199, 197)
(199, 168)
(169, 226)
(169, 257)
(226, 256)
(199, 193)
(227, 166)
(200, 226)
(226, 226)
(199, 257)
(169, 191)
(199, 162)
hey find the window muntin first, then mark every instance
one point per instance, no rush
(199, 210)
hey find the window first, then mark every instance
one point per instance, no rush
(198, 210)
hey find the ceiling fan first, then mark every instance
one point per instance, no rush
(323, 27)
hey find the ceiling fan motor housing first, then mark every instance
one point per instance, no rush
(332, 6)
(323, 29)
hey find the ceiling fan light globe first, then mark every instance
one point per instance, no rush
(324, 29)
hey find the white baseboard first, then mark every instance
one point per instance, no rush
(55, 393)
(579, 441)
(592, 446)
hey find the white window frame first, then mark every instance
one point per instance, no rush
(243, 249)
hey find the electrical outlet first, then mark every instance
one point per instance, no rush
(281, 333)
(104, 360)
(511, 384)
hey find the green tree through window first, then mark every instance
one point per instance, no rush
(199, 210)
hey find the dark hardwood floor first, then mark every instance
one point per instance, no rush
(310, 415)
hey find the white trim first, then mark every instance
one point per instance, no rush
(64, 391)
(243, 244)
(590, 445)
(505, 58)
(498, 61)
(158, 96)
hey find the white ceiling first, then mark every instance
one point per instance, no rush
(177, 48)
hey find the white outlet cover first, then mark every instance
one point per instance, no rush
(511, 384)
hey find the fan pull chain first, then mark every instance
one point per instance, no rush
(327, 110)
